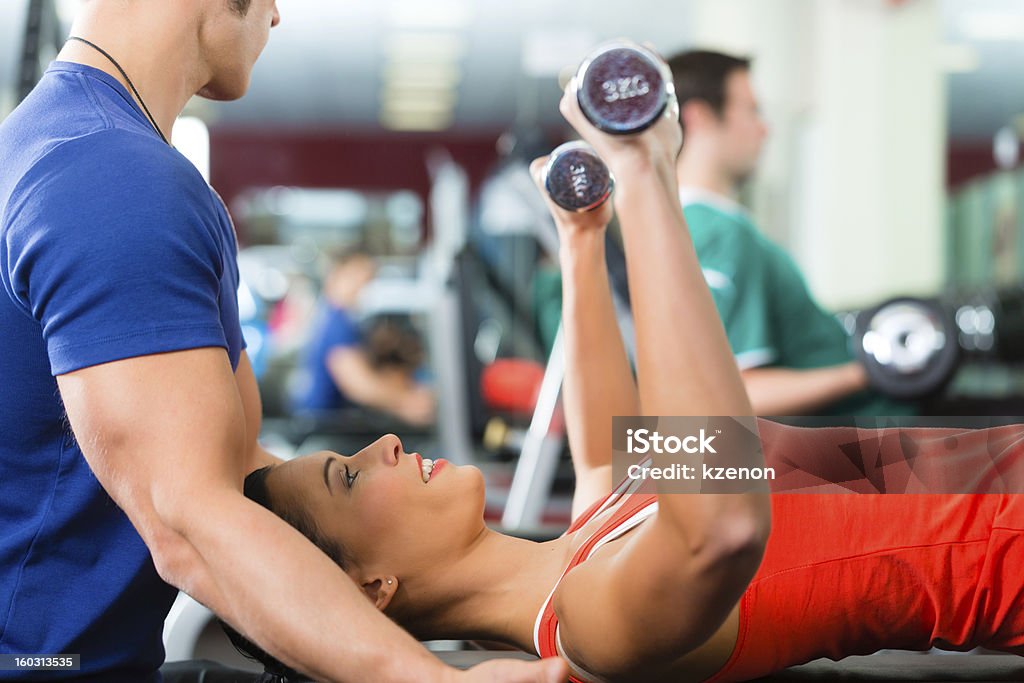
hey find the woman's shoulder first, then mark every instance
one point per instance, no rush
(601, 539)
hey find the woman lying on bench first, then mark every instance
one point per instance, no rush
(649, 585)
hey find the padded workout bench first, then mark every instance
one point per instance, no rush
(881, 667)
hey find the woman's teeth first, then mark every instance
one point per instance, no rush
(426, 469)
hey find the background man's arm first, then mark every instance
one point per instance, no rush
(787, 391)
(358, 380)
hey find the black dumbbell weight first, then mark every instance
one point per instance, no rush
(576, 178)
(908, 347)
(623, 87)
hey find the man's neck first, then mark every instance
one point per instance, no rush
(159, 52)
(696, 173)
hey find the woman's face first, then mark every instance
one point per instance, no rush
(376, 505)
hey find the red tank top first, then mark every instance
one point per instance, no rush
(852, 574)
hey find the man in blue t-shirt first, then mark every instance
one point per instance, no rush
(338, 370)
(128, 408)
(795, 357)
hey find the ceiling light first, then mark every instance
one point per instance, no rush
(439, 100)
(415, 75)
(417, 46)
(435, 14)
(416, 121)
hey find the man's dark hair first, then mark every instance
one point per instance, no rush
(255, 489)
(701, 75)
(339, 256)
(393, 343)
(240, 6)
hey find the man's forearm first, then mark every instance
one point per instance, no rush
(787, 391)
(284, 594)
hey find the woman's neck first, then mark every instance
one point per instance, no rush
(493, 592)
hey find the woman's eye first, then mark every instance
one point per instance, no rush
(349, 477)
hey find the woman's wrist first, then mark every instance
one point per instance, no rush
(581, 253)
(648, 153)
(642, 172)
(574, 241)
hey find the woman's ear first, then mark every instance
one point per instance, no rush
(380, 591)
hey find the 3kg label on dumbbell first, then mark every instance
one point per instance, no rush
(625, 88)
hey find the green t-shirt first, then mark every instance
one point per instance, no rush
(769, 315)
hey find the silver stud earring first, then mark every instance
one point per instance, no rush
(389, 582)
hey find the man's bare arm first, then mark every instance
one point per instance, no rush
(249, 392)
(787, 391)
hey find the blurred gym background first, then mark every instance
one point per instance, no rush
(892, 168)
(403, 126)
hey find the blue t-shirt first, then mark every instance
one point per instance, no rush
(315, 388)
(111, 246)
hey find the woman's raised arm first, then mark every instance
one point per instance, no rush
(598, 380)
(678, 576)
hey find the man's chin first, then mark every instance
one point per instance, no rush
(221, 94)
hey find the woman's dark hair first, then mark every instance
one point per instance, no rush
(701, 75)
(256, 490)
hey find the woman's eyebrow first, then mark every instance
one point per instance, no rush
(327, 478)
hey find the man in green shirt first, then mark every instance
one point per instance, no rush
(795, 358)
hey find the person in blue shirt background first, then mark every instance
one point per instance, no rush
(338, 368)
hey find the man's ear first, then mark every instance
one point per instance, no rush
(380, 590)
(696, 114)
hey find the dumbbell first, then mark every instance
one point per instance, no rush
(908, 347)
(576, 178)
(623, 87)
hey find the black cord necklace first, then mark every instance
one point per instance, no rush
(128, 80)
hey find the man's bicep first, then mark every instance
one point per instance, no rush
(249, 392)
(158, 429)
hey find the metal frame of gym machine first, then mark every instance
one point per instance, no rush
(543, 444)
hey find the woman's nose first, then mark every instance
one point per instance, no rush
(389, 448)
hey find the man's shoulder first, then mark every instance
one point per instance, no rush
(60, 130)
(114, 152)
(711, 217)
(104, 173)
(719, 233)
(109, 192)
